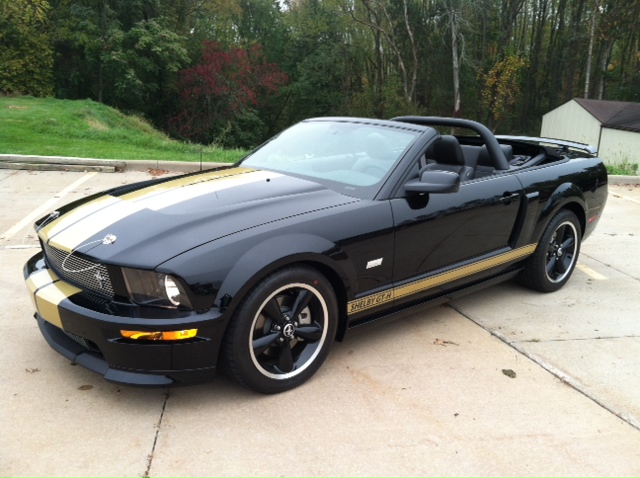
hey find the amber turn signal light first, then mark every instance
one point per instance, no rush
(173, 335)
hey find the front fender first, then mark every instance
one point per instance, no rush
(275, 253)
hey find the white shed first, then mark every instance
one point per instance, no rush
(611, 126)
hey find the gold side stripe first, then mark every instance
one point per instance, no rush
(380, 298)
(459, 273)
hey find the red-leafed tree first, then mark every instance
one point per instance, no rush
(224, 88)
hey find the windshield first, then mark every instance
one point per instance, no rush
(345, 156)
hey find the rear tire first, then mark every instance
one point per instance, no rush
(555, 258)
(282, 332)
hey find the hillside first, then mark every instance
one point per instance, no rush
(86, 129)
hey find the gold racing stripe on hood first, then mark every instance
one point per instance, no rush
(75, 215)
(79, 225)
(75, 236)
(157, 201)
(81, 212)
(185, 181)
(381, 298)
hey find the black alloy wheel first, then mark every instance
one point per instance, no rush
(561, 252)
(555, 258)
(282, 332)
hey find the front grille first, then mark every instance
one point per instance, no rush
(79, 271)
(87, 344)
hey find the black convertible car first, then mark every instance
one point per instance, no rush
(333, 224)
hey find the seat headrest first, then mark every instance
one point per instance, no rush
(377, 146)
(447, 150)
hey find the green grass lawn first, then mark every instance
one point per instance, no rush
(623, 168)
(86, 129)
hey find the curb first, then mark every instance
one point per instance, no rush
(624, 180)
(174, 166)
(63, 163)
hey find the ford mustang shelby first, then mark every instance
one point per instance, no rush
(334, 223)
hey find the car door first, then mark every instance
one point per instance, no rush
(445, 240)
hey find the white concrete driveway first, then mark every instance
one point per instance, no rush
(426, 395)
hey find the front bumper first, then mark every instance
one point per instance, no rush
(93, 340)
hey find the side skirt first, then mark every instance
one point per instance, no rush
(415, 307)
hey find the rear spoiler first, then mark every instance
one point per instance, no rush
(592, 150)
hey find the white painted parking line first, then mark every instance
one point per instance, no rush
(626, 198)
(590, 272)
(47, 206)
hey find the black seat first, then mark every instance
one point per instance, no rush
(486, 165)
(446, 155)
(379, 159)
(484, 159)
(377, 147)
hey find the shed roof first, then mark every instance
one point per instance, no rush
(614, 114)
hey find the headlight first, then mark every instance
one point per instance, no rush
(155, 289)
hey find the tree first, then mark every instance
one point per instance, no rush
(223, 88)
(26, 55)
(380, 18)
(142, 64)
(505, 61)
(502, 88)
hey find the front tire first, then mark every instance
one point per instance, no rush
(555, 258)
(282, 332)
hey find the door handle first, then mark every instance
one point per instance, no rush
(508, 197)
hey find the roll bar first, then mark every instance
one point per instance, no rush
(499, 159)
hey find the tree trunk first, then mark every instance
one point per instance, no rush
(592, 34)
(103, 27)
(456, 65)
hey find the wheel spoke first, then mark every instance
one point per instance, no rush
(272, 310)
(551, 265)
(568, 243)
(263, 343)
(310, 333)
(563, 264)
(560, 233)
(302, 300)
(285, 359)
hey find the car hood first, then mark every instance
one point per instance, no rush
(147, 225)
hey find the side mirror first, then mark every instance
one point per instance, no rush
(434, 182)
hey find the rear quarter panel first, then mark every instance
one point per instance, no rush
(577, 184)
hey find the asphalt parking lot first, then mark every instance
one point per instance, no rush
(425, 395)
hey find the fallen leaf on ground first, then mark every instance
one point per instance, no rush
(444, 343)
